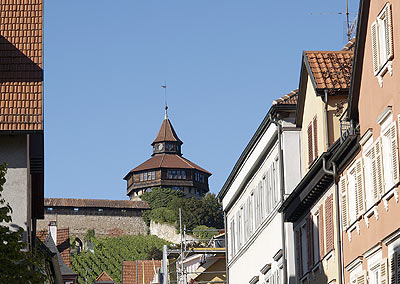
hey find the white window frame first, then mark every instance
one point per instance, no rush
(315, 232)
(382, 43)
(351, 195)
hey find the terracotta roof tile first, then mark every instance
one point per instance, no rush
(63, 244)
(168, 161)
(146, 270)
(104, 278)
(289, 99)
(331, 69)
(166, 133)
(75, 202)
(350, 45)
(21, 74)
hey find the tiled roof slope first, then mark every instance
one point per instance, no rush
(168, 161)
(289, 99)
(21, 74)
(104, 278)
(166, 133)
(63, 244)
(350, 45)
(104, 203)
(145, 271)
(331, 69)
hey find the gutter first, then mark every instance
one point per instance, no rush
(282, 190)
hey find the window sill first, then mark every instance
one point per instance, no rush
(387, 67)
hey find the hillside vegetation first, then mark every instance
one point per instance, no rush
(109, 253)
(165, 204)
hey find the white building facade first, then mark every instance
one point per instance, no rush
(258, 250)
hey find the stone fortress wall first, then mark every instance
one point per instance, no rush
(104, 226)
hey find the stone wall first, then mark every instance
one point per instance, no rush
(104, 226)
(167, 232)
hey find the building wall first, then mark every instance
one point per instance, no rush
(325, 268)
(259, 253)
(13, 151)
(103, 225)
(253, 253)
(313, 106)
(373, 98)
(373, 235)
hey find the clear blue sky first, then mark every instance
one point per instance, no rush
(224, 62)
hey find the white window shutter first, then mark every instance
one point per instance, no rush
(395, 152)
(392, 275)
(374, 40)
(388, 31)
(383, 271)
(379, 166)
(362, 278)
(372, 156)
(360, 195)
(344, 203)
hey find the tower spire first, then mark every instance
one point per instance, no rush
(166, 112)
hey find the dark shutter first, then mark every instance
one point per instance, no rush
(298, 253)
(329, 223)
(310, 144)
(315, 130)
(321, 232)
(310, 241)
(36, 167)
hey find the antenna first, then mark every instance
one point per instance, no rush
(165, 96)
(350, 27)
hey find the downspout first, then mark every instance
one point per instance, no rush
(282, 190)
(326, 118)
(333, 173)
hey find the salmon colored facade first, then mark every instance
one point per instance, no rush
(369, 186)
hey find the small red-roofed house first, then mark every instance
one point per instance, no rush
(104, 278)
(139, 271)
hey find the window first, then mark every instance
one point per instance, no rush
(199, 177)
(389, 150)
(176, 174)
(356, 194)
(304, 247)
(312, 135)
(382, 42)
(316, 236)
(76, 210)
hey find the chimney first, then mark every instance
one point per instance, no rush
(53, 230)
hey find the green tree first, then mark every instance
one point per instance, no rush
(17, 265)
(212, 214)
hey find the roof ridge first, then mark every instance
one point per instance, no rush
(183, 159)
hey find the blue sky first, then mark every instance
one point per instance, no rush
(224, 63)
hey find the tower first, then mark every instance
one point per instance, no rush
(167, 168)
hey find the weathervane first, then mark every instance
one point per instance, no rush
(165, 95)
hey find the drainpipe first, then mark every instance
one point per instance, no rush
(282, 190)
(326, 118)
(333, 173)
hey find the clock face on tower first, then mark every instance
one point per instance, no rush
(160, 146)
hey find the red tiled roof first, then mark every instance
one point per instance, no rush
(62, 244)
(104, 203)
(289, 99)
(21, 74)
(331, 69)
(168, 161)
(104, 277)
(350, 45)
(146, 270)
(166, 133)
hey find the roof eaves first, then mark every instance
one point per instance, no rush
(260, 130)
(358, 59)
